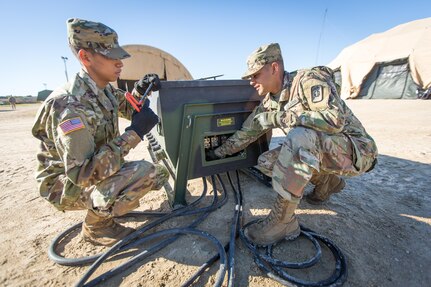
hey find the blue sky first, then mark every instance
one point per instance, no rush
(208, 37)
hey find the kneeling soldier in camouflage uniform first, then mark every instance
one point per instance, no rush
(81, 158)
(323, 139)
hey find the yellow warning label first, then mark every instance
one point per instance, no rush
(225, 122)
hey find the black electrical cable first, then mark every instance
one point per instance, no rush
(337, 278)
(230, 247)
(118, 246)
(205, 211)
(268, 256)
(59, 259)
(202, 268)
(272, 267)
(213, 259)
(173, 231)
(234, 229)
(142, 255)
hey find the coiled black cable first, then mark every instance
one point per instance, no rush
(174, 231)
(59, 259)
(230, 247)
(133, 240)
(273, 267)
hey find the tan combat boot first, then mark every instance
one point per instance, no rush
(280, 223)
(100, 230)
(325, 185)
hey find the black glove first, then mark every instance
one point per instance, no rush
(211, 155)
(142, 85)
(143, 121)
(146, 104)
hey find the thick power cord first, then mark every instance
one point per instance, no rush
(272, 267)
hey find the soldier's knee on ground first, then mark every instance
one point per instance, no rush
(162, 176)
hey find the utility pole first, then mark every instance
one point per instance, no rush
(65, 67)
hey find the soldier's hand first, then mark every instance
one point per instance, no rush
(143, 121)
(142, 85)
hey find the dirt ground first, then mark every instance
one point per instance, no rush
(381, 221)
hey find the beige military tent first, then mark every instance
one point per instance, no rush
(393, 64)
(146, 59)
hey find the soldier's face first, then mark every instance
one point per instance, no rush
(264, 81)
(102, 69)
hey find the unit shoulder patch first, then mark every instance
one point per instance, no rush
(316, 93)
(71, 125)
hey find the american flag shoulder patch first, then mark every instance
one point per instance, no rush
(71, 125)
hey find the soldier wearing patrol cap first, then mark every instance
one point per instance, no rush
(81, 159)
(324, 140)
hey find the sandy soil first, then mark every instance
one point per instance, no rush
(381, 221)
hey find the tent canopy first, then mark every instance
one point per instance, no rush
(410, 41)
(146, 59)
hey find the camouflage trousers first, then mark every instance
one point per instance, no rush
(306, 153)
(120, 193)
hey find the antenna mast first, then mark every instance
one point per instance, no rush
(320, 36)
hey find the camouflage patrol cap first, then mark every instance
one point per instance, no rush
(84, 34)
(260, 57)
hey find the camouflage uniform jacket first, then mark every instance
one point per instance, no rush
(309, 99)
(91, 148)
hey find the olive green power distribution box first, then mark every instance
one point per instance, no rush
(196, 116)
